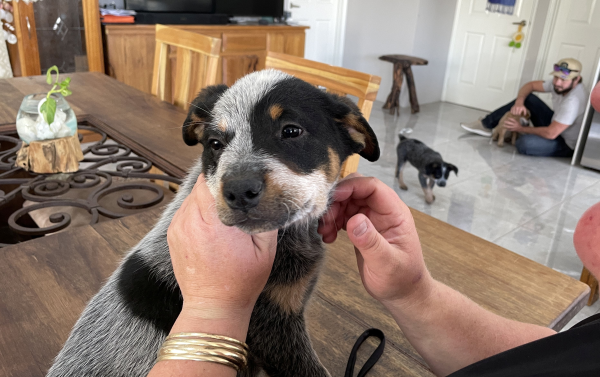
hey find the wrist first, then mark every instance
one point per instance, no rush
(194, 319)
(418, 300)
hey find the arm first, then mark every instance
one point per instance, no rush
(446, 328)
(527, 89)
(551, 132)
(220, 271)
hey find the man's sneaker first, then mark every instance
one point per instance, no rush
(477, 127)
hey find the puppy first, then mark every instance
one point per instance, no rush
(499, 132)
(432, 168)
(273, 147)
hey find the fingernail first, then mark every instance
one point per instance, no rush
(361, 229)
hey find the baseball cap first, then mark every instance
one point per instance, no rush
(567, 69)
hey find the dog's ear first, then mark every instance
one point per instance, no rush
(431, 167)
(199, 114)
(453, 168)
(362, 138)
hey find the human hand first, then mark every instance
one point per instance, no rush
(220, 270)
(518, 109)
(512, 124)
(382, 229)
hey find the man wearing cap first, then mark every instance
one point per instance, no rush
(555, 132)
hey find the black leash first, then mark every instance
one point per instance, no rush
(372, 359)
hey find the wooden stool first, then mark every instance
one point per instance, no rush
(590, 280)
(402, 64)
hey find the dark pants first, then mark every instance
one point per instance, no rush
(533, 145)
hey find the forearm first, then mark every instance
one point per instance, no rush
(450, 331)
(189, 322)
(525, 90)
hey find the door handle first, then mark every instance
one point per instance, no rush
(292, 5)
(522, 23)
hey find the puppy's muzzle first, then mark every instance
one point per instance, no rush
(441, 183)
(243, 192)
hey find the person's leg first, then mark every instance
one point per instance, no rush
(541, 114)
(534, 145)
(491, 120)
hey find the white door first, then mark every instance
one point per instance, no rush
(483, 70)
(326, 18)
(576, 35)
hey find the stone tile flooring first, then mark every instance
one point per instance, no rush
(528, 205)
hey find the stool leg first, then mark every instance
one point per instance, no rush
(393, 100)
(412, 91)
(590, 280)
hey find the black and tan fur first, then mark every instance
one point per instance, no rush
(432, 168)
(273, 147)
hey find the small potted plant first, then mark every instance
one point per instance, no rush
(46, 122)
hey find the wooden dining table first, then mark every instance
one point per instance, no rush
(46, 282)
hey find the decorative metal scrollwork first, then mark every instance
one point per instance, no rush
(52, 191)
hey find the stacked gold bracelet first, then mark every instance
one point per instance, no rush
(205, 347)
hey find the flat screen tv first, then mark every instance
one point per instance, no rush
(247, 8)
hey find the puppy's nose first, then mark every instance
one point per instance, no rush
(243, 193)
(442, 183)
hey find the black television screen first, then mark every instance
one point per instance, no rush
(250, 8)
(179, 6)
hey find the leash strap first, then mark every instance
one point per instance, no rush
(372, 359)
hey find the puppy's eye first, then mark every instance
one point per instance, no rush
(291, 131)
(215, 144)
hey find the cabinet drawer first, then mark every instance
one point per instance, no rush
(244, 42)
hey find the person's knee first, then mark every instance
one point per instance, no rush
(524, 144)
(531, 100)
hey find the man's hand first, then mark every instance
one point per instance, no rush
(518, 109)
(383, 232)
(220, 270)
(513, 125)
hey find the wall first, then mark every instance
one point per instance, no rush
(420, 28)
(534, 34)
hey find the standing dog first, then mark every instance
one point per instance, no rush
(432, 168)
(499, 132)
(273, 148)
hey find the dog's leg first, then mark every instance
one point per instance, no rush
(429, 198)
(501, 136)
(401, 177)
(513, 138)
(430, 187)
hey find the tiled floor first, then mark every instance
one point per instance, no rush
(526, 204)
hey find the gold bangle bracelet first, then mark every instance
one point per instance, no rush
(205, 347)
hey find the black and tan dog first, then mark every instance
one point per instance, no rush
(273, 147)
(432, 168)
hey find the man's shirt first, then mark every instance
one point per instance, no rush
(568, 109)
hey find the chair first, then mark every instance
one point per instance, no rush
(337, 80)
(204, 67)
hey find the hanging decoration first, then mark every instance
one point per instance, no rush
(6, 33)
(501, 6)
(518, 37)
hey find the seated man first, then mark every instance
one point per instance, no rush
(555, 132)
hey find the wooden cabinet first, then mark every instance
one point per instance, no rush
(129, 49)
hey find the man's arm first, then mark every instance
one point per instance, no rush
(551, 132)
(527, 89)
(446, 328)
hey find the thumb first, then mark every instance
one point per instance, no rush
(266, 242)
(365, 237)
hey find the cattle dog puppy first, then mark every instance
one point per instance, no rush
(432, 168)
(272, 150)
(500, 132)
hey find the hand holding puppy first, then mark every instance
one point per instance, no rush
(383, 232)
(220, 270)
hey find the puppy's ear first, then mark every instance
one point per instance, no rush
(199, 114)
(453, 168)
(362, 139)
(431, 167)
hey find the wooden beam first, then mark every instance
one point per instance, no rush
(93, 35)
(29, 55)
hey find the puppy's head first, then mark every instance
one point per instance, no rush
(440, 172)
(273, 148)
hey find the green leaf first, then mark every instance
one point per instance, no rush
(518, 45)
(512, 43)
(65, 83)
(48, 110)
(49, 74)
(66, 92)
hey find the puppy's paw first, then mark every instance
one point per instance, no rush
(430, 200)
(404, 187)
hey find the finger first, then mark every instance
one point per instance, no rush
(377, 196)
(366, 239)
(266, 242)
(202, 196)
